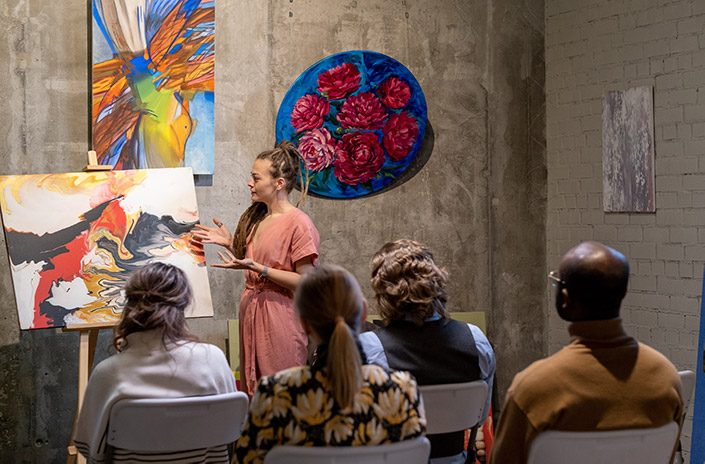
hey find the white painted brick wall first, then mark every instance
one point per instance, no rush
(594, 46)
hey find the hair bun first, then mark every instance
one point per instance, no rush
(286, 145)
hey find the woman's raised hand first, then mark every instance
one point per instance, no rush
(219, 235)
(229, 261)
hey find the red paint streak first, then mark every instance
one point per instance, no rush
(113, 219)
(67, 266)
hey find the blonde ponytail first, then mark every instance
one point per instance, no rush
(329, 300)
(344, 364)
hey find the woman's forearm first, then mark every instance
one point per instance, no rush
(287, 279)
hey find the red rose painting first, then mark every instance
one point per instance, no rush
(395, 93)
(308, 112)
(339, 82)
(318, 149)
(363, 111)
(400, 134)
(359, 159)
(358, 119)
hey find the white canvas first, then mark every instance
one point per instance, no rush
(74, 239)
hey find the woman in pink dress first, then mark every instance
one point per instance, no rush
(274, 243)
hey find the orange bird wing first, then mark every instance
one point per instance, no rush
(183, 49)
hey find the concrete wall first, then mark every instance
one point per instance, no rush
(596, 46)
(479, 202)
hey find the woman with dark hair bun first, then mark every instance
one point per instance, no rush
(339, 400)
(274, 243)
(158, 357)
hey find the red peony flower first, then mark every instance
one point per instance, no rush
(359, 158)
(308, 112)
(340, 81)
(400, 134)
(362, 111)
(318, 149)
(395, 92)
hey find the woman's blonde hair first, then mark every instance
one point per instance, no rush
(157, 296)
(329, 300)
(407, 282)
(286, 161)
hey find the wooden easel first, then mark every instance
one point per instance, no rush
(93, 163)
(88, 336)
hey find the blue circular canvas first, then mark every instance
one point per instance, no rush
(358, 118)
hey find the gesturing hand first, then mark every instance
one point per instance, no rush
(219, 235)
(229, 261)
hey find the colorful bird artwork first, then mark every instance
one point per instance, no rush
(153, 83)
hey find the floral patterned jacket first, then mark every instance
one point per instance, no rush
(295, 407)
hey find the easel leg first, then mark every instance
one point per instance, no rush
(86, 354)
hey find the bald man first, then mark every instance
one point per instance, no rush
(604, 379)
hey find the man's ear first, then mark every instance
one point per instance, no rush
(565, 301)
(363, 313)
(563, 305)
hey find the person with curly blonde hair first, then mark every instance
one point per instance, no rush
(419, 337)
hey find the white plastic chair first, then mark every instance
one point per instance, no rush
(453, 406)
(687, 387)
(633, 446)
(414, 451)
(177, 424)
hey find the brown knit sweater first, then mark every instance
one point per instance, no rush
(603, 380)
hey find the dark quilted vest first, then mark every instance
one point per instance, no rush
(438, 352)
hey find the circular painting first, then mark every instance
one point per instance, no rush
(358, 118)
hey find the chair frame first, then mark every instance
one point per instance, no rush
(554, 447)
(177, 424)
(454, 406)
(687, 387)
(414, 451)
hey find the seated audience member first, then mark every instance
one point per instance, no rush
(338, 400)
(604, 379)
(418, 335)
(157, 358)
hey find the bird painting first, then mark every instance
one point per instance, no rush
(153, 83)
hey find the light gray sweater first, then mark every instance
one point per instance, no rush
(145, 369)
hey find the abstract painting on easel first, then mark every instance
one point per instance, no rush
(74, 239)
(153, 83)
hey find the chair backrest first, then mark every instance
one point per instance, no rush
(453, 406)
(177, 424)
(414, 451)
(687, 387)
(633, 446)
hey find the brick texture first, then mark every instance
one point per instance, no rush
(600, 45)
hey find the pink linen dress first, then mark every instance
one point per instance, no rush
(271, 335)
